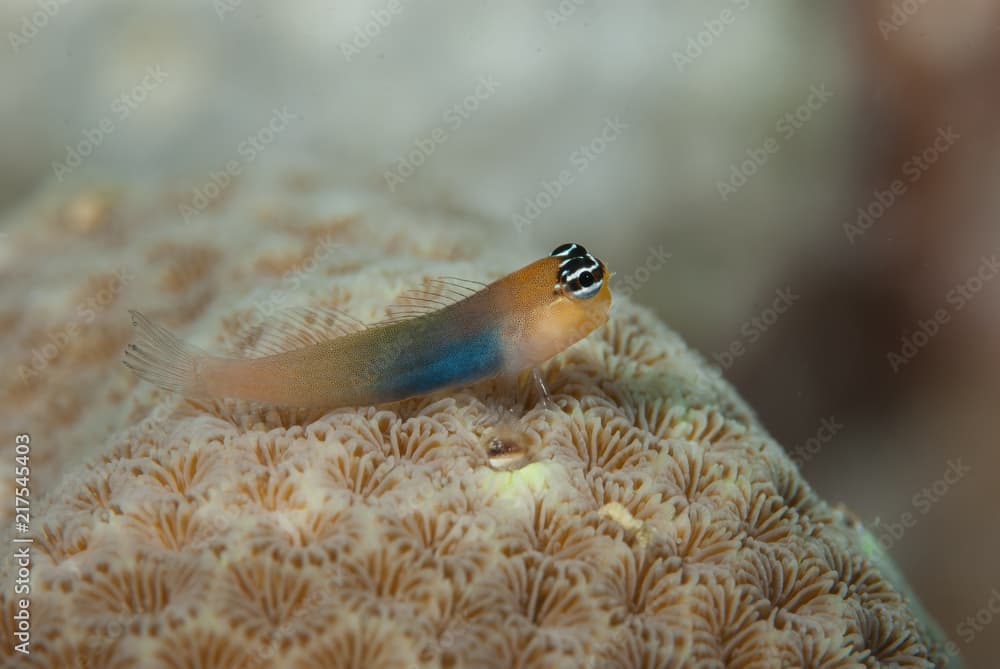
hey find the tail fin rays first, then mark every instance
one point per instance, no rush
(158, 356)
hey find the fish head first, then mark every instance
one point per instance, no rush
(560, 300)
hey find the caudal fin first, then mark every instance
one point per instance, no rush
(158, 356)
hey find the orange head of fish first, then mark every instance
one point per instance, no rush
(555, 302)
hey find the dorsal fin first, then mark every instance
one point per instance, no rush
(294, 328)
(432, 295)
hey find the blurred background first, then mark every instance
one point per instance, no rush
(805, 191)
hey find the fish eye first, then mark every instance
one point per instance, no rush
(581, 276)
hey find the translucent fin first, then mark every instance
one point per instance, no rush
(458, 282)
(433, 294)
(543, 390)
(159, 357)
(292, 329)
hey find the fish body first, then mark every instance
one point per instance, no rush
(510, 325)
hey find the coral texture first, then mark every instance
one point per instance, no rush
(651, 523)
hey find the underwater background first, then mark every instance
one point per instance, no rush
(806, 193)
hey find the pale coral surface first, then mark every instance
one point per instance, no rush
(655, 524)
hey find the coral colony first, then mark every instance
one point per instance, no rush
(642, 518)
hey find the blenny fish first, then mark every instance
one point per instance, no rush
(454, 332)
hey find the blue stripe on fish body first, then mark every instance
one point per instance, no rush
(451, 362)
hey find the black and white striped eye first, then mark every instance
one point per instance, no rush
(580, 274)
